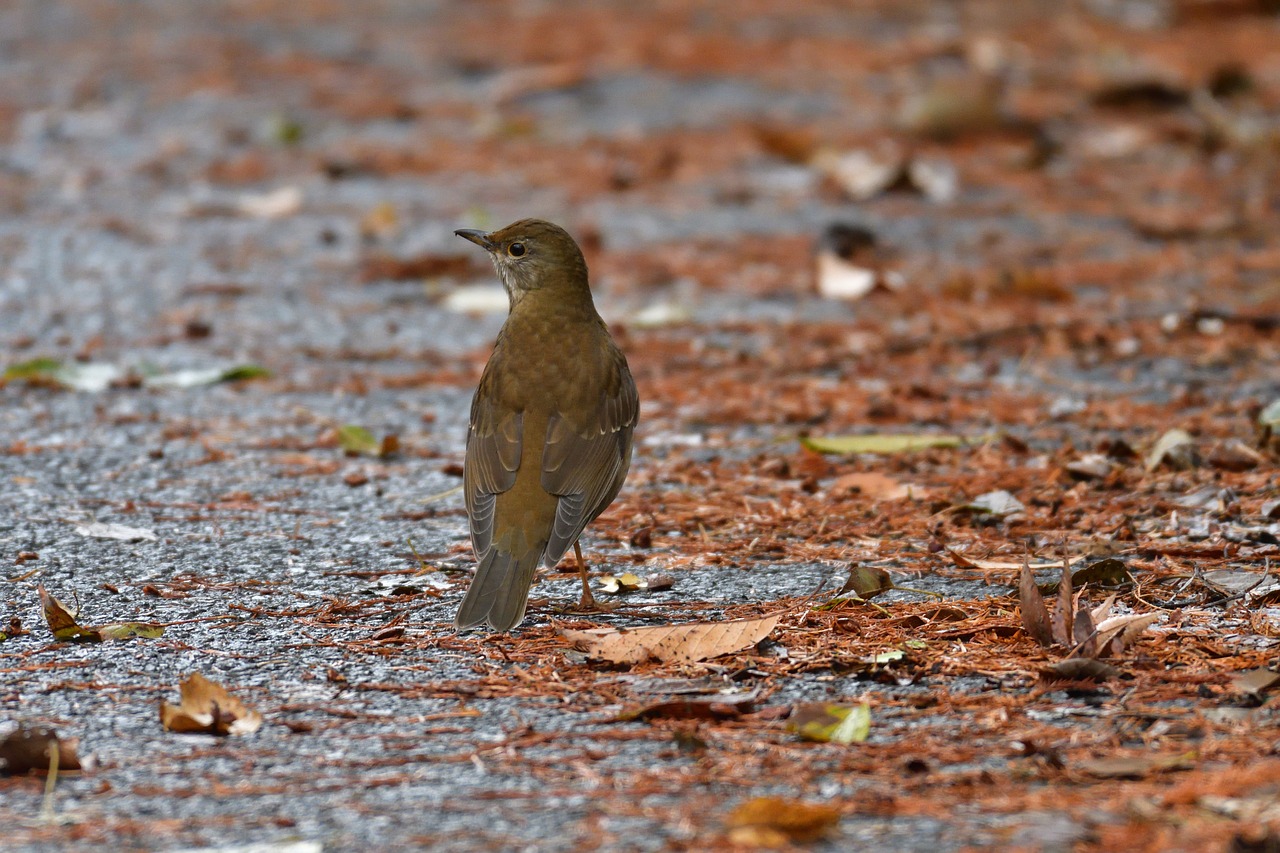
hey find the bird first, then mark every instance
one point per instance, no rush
(550, 435)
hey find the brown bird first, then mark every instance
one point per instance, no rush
(551, 422)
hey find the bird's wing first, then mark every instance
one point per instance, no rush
(493, 457)
(584, 464)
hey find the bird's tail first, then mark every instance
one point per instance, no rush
(499, 591)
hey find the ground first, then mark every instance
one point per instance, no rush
(1071, 218)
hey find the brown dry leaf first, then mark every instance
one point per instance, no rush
(1136, 766)
(1079, 669)
(1109, 572)
(30, 750)
(61, 622)
(717, 707)
(794, 144)
(1176, 449)
(1084, 631)
(965, 562)
(386, 268)
(207, 708)
(775, 822)
(1035, 616)
(867, 582)
(381, 222)
(1089, 633)
(65, 627)
(623, 583)
(686, 643)
(873, 485)
(1062, 620)
(1255, 682)
(1118, 633)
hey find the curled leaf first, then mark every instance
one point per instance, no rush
(1035, 616)
(65, 628)
(1175, 448)
(623, 583)
(207, 708)
(867, 581)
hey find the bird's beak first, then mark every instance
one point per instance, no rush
(480, 238)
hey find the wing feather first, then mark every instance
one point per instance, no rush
(584, 465)
(493, 457)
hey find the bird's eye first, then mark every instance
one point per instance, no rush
(515, 250)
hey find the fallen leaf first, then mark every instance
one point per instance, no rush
(1234, 455)
(867, 581)
(999, 503)
(1109, 572)
(1269, 427)
(75, 376)
(1136, 766)
(880, 443)
(1175, 448)
(717, 707)
(659, 582)
(793, 144)
(849, 263)
(1255, 682)
(1079, 669)
(970, 563)
(874, 485)
(205, 376)
(664, 312)
(276, 204)
(1091, 466)
(30, 750)
(1229, 582)
(826, 723)
(840, 279)
(284, 130)
(862, 173)
(626, 582)
(776, 822)
(385, 268)
(102, 530)
(1035, 616)
(687, 643)
(955, 105)
(64, 626)
(207, 708)
(358, 441)
(478, 299)
(39, 369)
(1114, 635)
(935, 178)
(381, 222)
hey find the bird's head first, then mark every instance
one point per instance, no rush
(533, 255)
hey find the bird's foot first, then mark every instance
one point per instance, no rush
(588, 604)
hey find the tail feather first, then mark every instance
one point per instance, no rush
(499, 591)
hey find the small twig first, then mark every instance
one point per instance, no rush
(51, 781)
(1266, 573)
(423, 568)
(430, 499)
(927, 592)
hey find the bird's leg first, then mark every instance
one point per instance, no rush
(588, 601)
